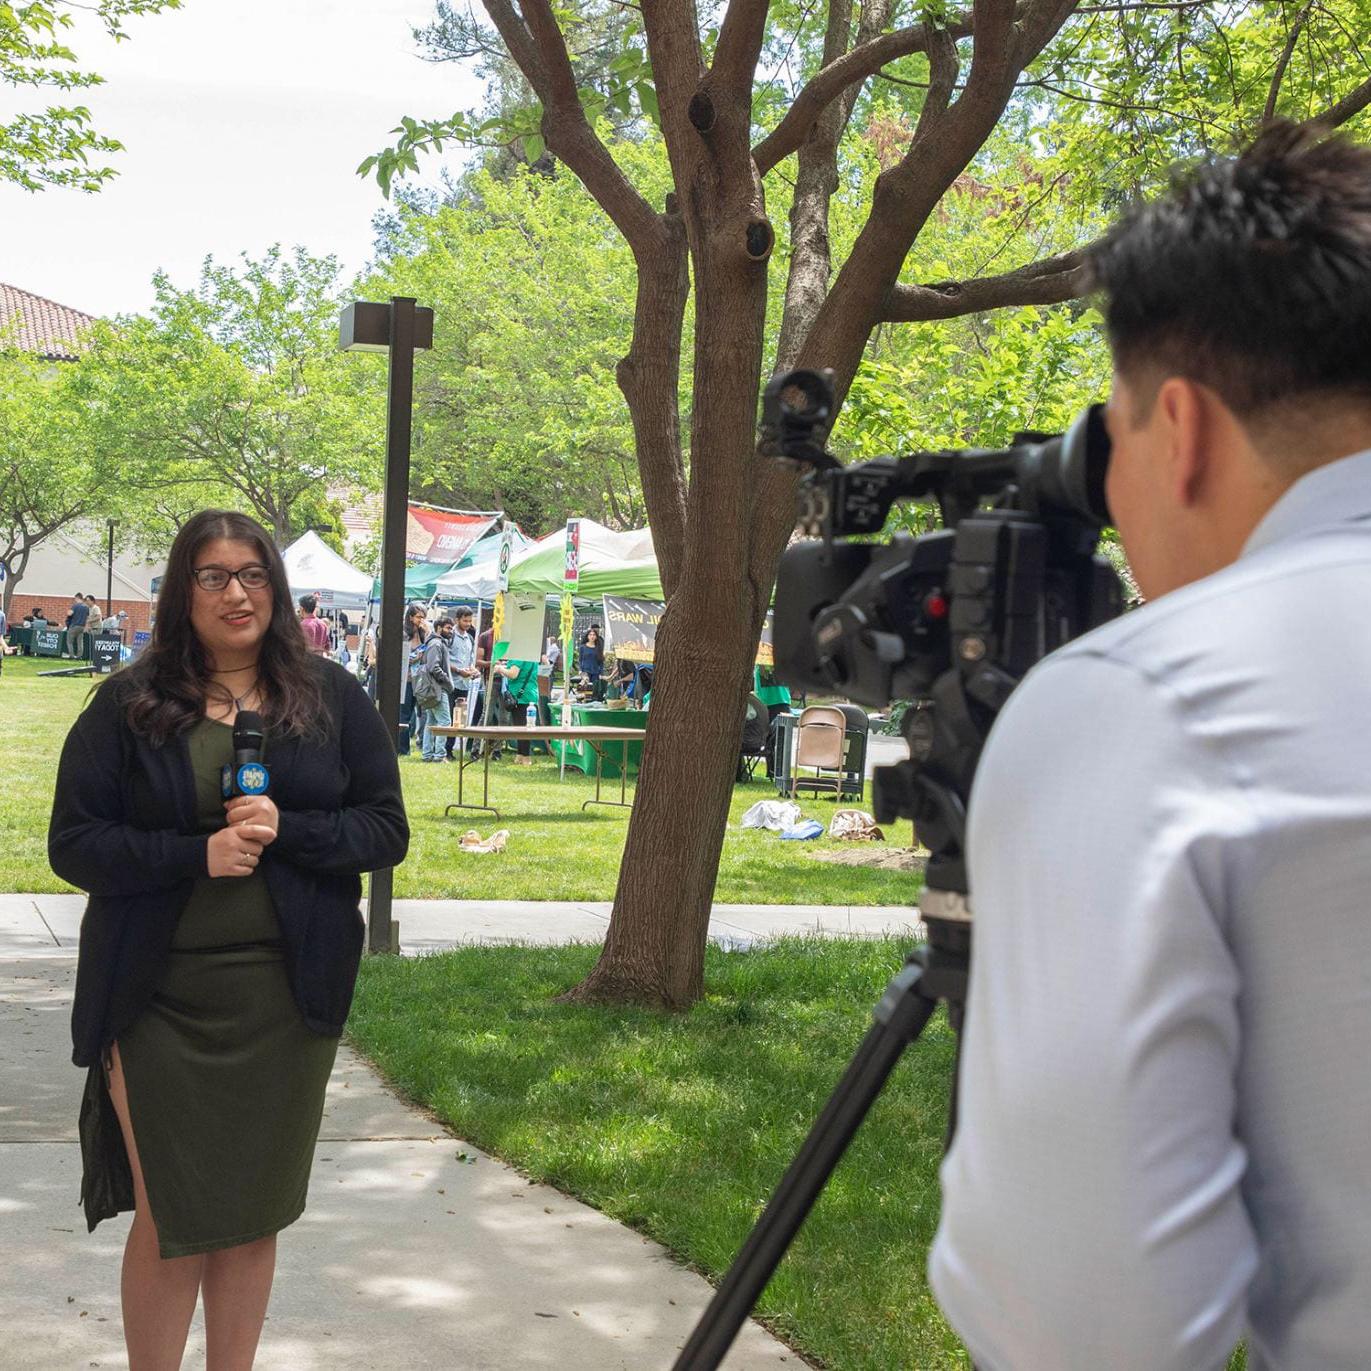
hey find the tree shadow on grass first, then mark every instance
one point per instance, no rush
(683, 1124)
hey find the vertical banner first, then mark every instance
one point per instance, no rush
(497, 620)
(506, 556)
(572, 576)
(567, 624)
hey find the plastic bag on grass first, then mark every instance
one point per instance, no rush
(806, 828)
(773, 814)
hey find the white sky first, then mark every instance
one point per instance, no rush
(243, 122)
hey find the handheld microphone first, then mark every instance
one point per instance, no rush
(247, 775)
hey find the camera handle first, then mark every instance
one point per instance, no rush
(935, 971)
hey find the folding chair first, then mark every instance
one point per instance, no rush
(820, 742)
(756, 731)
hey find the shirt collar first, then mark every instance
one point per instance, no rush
(1336, 493)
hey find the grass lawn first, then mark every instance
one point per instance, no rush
(682, 1125)
(556, 852)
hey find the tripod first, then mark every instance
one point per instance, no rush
(937, 970)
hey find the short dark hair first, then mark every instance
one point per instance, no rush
(308, 603)
(1253, 276)
(444, 620)
(464, 612)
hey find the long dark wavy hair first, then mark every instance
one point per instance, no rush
(165, 690)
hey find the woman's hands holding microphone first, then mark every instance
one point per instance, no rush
(252, 824)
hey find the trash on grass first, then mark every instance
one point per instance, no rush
(471, 841)
(806, 828)
(855, 825)
(773, 814)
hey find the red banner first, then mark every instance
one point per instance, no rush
(442, 537)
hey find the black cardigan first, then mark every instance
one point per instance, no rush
(124, 829)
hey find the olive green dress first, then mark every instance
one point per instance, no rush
(226, 1084)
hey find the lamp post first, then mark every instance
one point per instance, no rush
(397, 328)
(109, 573)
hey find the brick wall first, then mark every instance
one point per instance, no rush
(55, 610)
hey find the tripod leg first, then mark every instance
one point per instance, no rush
(901, 1016)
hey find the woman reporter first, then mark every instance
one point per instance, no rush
(221, 940)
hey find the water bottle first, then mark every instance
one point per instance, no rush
(531, 716)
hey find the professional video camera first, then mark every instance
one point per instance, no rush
(949, 620)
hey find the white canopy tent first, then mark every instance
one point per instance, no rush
(478, 576)
(313, 568)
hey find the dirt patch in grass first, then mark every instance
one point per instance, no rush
(875, 855)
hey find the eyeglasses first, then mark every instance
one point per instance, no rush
(254, 576)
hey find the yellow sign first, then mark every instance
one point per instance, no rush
(497, 619)
(568, 618)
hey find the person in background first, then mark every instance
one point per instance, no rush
(545, 670)
(466, 681)
(416, 635)
(491, 711)
(519, 682)
(433, 686)
(76, 628)
(115, 624)
(5, 649)
(95, 621)
(366, 653)
(317, 637)
(591, 660)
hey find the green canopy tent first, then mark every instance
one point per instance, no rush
(611, 564)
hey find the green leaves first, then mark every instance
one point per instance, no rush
(54, 146)
(234, 393)
(533, 292)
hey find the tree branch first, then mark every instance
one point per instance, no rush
(1037, 24)
(1048, 282)
(517, 40)
(827, 84)
(536, 44)
(740, 43)
(1350, 105)
(943, 69)
(1283, 61)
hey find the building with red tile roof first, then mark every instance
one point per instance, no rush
(43, 327)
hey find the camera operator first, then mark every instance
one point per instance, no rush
(1165, 1104)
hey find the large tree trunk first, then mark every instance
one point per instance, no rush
(719, 562)
(706, 644)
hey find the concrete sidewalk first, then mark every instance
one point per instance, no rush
(417, 1251)
(47, 925)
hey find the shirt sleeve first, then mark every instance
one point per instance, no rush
(1091, 1207)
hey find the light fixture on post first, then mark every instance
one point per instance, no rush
(397, 328)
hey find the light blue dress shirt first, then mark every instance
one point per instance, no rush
(1165, 1131)
(463, 652)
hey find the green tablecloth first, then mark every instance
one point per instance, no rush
(48, 642)
(582, 756)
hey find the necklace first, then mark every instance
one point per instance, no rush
(238, 700)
